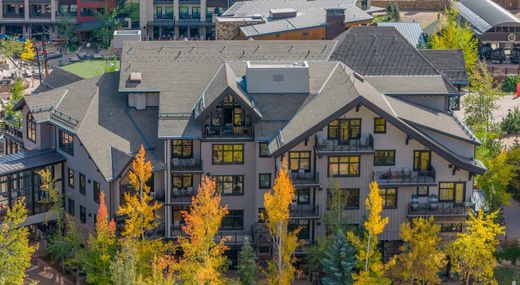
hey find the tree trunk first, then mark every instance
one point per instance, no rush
(279, 253)
(368, 250)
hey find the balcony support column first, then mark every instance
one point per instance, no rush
(2, 14)
(26, 10)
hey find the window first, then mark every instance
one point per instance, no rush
(72, 207)
(379, 126)
(230, 185)
(421, 160)
(264, 180)
(451, 228)
(348, 197)
(182, 149)
(384, 157)
(182, 181)
(302, 196)
(389, 196)
(82, 214)
(82, 184)
(345, 129)
(66, 143)
(228, 153)
(31, 128)
(97, 191)
(423, 191)
(304, 225)
(452, 192)
(234, 220)
(264, 149)
(300, 160)
(344, 166)
(70, 178)
(262, 215)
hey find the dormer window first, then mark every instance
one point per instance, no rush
(229, 119)
(31, 127)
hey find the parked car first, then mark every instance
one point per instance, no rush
(498, 55)
(514, 56)
(485, 51)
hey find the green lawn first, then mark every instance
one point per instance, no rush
(90, 68)
(504, 275)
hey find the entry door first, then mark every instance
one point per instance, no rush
(421, 160)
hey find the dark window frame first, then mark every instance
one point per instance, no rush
(346, 205)
(66, 142)
(183, 144)
(82, 214)
(385, 196)
(339, 163)
(96, 190)
(260, 153)
(82, 184)
(299, 192)
(71, 207)
(376, 124)
(423, 195)
(223, 152)
(233, 214)
(182, 177)
(454, 190)
(304, 225)
(31, 127)
(384, 160)
(70, 177)
(299, 159)
(220, 181)
(416, 164)
(260, 186)
(451, 227)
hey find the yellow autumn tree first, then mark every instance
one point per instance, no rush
(421, 258)
(371, 268)
(203, 257)
(139, 208)
(472, 253)
(28, 50)
(276, 202)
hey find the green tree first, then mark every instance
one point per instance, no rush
(65, 248)
(66, 32)
(15, 251)
(421, 258)
(511, 123)
(339, 261)
(53, 198)
(109, 20)
(496, 180)
(472, 253)
(393, 13)
(247, 267)
(454, 35)
(123, 267)
(11, 49)
(334, 218)
(17, 93)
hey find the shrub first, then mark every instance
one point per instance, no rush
(511, 252)
(509, 84)
(511, 122)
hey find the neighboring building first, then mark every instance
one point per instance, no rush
(490, 21)
(368, 106)
(410, 30)
(179, 19)
(292, 20)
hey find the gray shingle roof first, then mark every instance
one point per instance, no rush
(410, 85)
(57, 78)
(450, 62)
(411, 31)
(380, 51)
(484, 14)
(262, 7)
(28, 160)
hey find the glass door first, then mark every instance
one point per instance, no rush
(421, 160)
(349, 129)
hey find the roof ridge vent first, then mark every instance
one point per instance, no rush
(359, 77)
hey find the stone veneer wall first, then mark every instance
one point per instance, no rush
(435, 5)
(230, 30)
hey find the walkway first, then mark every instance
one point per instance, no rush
(511, 216)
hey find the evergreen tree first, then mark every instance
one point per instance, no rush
(247, 268)
(339, 261)
(123, 267)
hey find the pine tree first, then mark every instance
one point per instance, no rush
(371, 268)
(28, 50)
(247, 267)
(276, 202)
(339, 261)
(203, 258)
(123, 267)
(15, 251)
(421, 258)
(472, 253)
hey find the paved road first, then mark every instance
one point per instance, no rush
(512, 217)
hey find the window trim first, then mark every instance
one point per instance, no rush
(30, 127)
(299, 160)
(233, 182)
(65, 147)
(260, 149)
(427, 191)
(71, 207)
(385, 206)
(345, 207)
(96, 197)
(375, 125)
(229, 216)
(344, 175)
(182, 176)
(82, 190)
(259, 180)
(413, 158)
(69, 170)
(182, 145)
(82, 218)
(223, 162)
(453, 200)
(384, 164)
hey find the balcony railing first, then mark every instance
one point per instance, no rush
(405, 176)
(186, 165)
(228, 131)
(13, 132)
(439, 209)
(182, 195)
(163, 16)
(41, 15)
(13, 15)
(230, 238)
(363, 144)
(302, 178)
(304, 211)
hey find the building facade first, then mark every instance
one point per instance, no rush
(240, 110)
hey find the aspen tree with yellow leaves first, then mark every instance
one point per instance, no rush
(276, 202)
(371, 268)
(203, 258)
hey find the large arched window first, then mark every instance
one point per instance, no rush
(31, 127)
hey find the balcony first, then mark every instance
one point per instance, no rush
(40, 15)
(361, 145)
(230, 238)
(228, 130)
(13, 132)
(302, 178)
(405, 176)
(304, 211)
(439, 209)
(182, 196)
(163, 16)
(13, 15)
(190, 165)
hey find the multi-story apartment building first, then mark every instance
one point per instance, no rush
(178, 19)
(365, 107)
